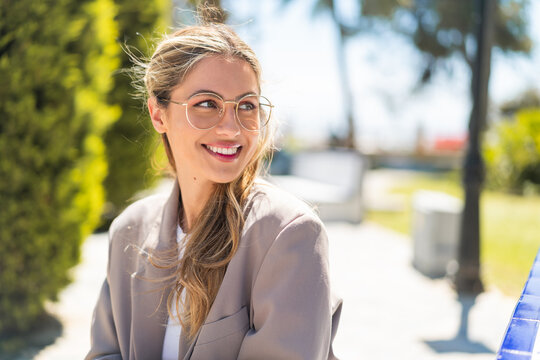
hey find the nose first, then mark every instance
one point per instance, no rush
(228, 125)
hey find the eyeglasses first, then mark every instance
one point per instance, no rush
(205, 110)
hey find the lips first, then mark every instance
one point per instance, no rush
(226, 153)
(231, 150)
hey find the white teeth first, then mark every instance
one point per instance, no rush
(224, 151)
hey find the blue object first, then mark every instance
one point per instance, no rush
(521, 336)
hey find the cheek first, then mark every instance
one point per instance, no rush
(254, 145)
(183, 137)
(180, 148)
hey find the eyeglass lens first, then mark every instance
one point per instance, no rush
(205, 111)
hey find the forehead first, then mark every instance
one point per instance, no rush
(228, 77)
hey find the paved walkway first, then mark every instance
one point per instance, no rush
(393, 312)
(390, 310)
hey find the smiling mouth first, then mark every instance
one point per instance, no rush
(224, 153)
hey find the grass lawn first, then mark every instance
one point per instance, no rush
(510, 228)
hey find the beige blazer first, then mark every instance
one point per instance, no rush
(274, 302)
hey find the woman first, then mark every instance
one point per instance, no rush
(227, 266)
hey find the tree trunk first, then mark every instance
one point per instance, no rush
(468, 277)
(345, 84)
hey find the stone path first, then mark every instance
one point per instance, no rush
(393, 312)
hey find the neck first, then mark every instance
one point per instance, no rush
(195, 195)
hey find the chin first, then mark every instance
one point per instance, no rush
(225, 178)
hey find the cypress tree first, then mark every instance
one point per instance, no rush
(56, 60)
(131, 140)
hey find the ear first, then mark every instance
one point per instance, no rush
(157, 114)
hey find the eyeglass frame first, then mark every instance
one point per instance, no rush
(237, 103)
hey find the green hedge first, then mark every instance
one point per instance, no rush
(131, 140)
(512, 153)
(56, 60)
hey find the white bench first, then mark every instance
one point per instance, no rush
(331, 180)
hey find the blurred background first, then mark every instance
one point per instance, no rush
(412, 125)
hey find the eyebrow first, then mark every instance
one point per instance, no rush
(221, 96)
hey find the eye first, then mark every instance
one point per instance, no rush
(247, 105)
(207, 104)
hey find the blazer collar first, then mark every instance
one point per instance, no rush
(149, 291)
(150, 297)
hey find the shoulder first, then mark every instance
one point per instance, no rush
(284, 236)
(268, 202)
(129, 232)
(271, 212)
(139, 217)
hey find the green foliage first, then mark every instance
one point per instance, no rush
(529, 98)
(512, 153)
(442, 28)
(438, 28)
(56, 60)
(130, 140)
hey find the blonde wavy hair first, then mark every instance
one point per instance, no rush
(214, 237)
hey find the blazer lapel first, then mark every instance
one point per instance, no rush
(149, 290)
(186, 347)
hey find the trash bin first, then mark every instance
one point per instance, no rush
(435, 231)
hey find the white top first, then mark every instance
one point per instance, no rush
(171, 342)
